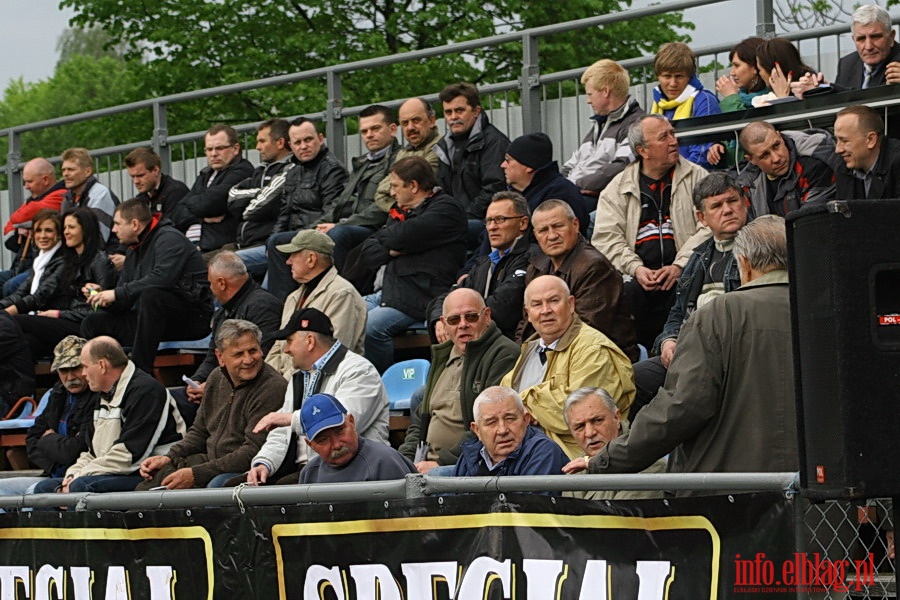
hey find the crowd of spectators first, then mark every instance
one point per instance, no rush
(627, 307)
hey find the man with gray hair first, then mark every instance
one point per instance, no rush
(646, 224)
(876, 60)
(877, 57)
(507, 443)
(728, 401)
(595, 420)
(240, 297)
(221, 442)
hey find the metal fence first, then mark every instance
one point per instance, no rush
(535, 101)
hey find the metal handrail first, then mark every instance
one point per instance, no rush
(414, 486)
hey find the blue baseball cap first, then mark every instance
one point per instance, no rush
(320, 412)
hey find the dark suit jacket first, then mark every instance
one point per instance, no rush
(885, 183)
(850, 70)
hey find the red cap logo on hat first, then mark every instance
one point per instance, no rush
(304, 323)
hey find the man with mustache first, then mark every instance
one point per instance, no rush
(56, 439)
(341, 453)
(470, 154)
(321, 364)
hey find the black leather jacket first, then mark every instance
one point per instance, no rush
(311, 190)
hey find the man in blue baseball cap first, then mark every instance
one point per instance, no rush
(342, 454)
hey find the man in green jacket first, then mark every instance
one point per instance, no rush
(474, 358)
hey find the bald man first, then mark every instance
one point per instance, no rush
(45, 191)
(788, 168)
(475, 356)
(563, 355)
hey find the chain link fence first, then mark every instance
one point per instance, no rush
(845, 549)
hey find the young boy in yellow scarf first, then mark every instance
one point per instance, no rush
(680, 94)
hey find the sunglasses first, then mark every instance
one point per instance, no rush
(470, 317)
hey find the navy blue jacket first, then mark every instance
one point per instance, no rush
(536, 455)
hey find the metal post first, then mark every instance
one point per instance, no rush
(335, 130)
(161, 136)
(530, 85)
(765, 19)
(14, 171)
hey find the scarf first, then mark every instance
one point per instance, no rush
(40, 264)
(747, 97)
(683, 105)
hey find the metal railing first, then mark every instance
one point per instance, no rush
(526, 112)
(414, 486)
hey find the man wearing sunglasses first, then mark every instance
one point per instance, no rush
(474, 357)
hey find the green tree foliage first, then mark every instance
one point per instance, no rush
(181, 45)
(80, 84)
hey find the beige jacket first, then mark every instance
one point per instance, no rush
(340, 301)
(619, 214)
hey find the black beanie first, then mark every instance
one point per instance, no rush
(533, 150)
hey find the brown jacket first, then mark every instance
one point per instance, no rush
(599, 292)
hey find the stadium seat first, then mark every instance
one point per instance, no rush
(23, 413)
(404, 378)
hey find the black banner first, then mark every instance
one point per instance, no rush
(466, 547)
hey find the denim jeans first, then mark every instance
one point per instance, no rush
(382, 324)
(346, 238)
(255, 260)
(221, 479)
(97, 484)
(13, 283)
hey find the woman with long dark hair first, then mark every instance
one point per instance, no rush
(41, 289)
(84, 261)
(779, 63)
(737, 91)
(744, 82)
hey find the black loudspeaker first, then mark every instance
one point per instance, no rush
(845, 305)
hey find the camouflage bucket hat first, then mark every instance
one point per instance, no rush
(67, 353)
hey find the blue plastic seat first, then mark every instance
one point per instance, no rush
(404, 378)
(187, 346)
(25, 418)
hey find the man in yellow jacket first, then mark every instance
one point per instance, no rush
(565, 354)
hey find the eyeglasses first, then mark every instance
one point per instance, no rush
(501, 219)
(211, 149)
(470, 317)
